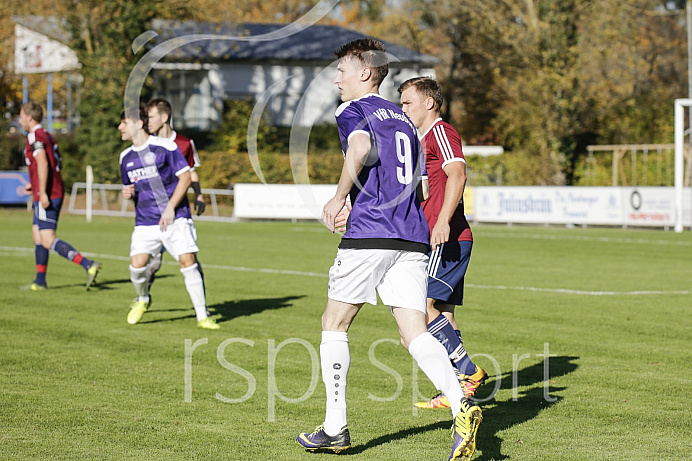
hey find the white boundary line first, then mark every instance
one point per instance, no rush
(580, 292)
(584, 238)
(17, 251)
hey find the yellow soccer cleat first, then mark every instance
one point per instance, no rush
(92, 272)
(439, 401)
(470, 383)
(208, 324)
(464, 431)
(137, 310)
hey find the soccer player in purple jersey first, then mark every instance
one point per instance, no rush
(384, 250)
(45, 184)
(156, 176)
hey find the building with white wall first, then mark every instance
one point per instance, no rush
(290, 74)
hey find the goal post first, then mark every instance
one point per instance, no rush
(680, 105)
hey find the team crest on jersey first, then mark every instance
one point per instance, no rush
(149, 158)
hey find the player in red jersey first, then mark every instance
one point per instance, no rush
(450, 234)
(43, 161)
(159, 111)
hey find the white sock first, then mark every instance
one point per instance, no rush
(432, 358)
(195, 287)
(335, 359)
(139, 280)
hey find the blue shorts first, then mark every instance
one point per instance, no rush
(48, 218)
(446, 271)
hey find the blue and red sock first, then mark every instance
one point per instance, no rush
(41, 254)
(67, 251)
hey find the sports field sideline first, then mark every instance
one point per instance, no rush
(606, 313)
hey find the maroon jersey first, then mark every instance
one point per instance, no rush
(442, 146)
(40, 139)
(187, 147)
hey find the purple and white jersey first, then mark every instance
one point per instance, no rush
(154, 169)
(384, 199)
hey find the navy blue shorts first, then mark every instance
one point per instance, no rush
(446, 271)
(48, 218)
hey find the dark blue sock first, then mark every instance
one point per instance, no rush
(67, 251)
(468, 367)
(443, 331)
(41, 253)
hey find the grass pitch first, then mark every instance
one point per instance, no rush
(609, 309)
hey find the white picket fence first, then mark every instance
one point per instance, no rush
(119, 207)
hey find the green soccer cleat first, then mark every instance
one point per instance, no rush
(92, 272)
(464, 430)
(319, 440)
(208, 324)
(137, 310)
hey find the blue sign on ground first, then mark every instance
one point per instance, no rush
(13, 187)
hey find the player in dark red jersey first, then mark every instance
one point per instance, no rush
(44, 162)
(450, 234)
(159, 112)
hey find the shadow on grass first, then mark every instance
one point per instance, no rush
(230, 310)
(525, 407)
(355, 450)
(502, 415)
(106, 284)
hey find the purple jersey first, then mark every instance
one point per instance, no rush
(154, 168)
(384, 199)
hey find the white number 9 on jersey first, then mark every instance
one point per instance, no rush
(403, 152)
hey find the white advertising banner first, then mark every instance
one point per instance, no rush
(633, 206)
(548, 205)
(653, 206)
(281, 201)
(605, 206)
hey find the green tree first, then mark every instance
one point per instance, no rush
(547, 78)
(102, 35)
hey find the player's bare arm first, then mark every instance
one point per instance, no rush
(42, 168)
(358, 150)
(454, 191)
(168, 215)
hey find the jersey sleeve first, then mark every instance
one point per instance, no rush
(177, 161)
(123, 174)
(448, 145)
(423, 174)
(351, 121)
(35, 143)
(194, 156)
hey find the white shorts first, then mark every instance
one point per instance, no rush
(399, 277)
(179, 238)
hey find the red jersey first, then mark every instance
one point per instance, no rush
(187, 147)
(442, 146)
(37, 140)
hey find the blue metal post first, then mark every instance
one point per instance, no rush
(25, 89)
(49, 105)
